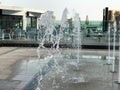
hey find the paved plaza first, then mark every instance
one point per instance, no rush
(19, 65)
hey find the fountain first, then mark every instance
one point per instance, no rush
(118, 82)
(119, 59)
(77, 28)
(109, 51)
(62, 62)
(114, 43)
(67, 68)
(46, 21)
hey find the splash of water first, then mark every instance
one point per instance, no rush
(114, 42)
(109, 60)
(46, 21)
(77, 30)
(64, 25)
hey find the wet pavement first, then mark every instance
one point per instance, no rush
(90, 74)
(19, 65)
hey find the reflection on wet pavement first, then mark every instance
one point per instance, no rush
(18, 66)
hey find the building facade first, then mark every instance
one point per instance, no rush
(12, 17)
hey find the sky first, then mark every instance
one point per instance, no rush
(92, 8)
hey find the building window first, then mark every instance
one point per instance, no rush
(8, 21)
(31, 22)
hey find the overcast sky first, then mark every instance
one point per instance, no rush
(92, 8)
